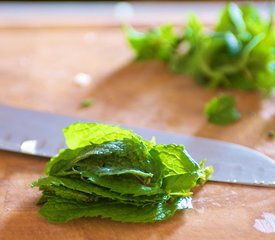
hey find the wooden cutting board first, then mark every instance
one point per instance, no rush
(38, 68)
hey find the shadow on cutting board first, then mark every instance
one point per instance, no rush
(147, 94)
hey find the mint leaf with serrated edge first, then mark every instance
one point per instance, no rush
(111, 172)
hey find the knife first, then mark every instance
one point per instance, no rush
(39, 133)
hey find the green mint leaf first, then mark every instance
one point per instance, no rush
(156, 43)
(175, 159)
(82, 134)
(95, 190)
(111, 172)
(62, 210)
(232, 19)
(242, 40)
(67, 193)
(222, 110)
(271, 134)
(86, 103)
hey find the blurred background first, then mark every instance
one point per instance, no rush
(77, 50)
(85, 13)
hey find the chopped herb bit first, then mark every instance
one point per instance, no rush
(271, 134)
(111, 172)
(86, 103)
(222, 110)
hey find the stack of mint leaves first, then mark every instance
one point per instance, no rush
(238, 52)
(111, 172)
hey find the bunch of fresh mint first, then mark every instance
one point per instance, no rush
(238, 53)
(111, 172)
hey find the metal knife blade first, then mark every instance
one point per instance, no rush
(40, 134)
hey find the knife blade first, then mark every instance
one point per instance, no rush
(39, 133)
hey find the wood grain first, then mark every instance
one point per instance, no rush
(37, 71)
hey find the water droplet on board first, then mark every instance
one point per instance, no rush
(82, 79)
(266, 224)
